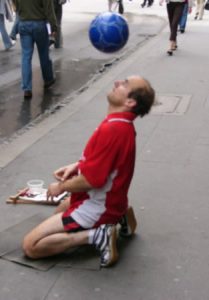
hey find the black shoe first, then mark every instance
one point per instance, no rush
(142, 5)
(48, 84)
(28, 95)
(182, 30)
(170, 52)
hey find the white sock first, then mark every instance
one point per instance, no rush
(91, 235)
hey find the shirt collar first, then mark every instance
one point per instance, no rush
(129, 116)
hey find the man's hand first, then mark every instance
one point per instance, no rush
(65, 172)
(54, 190)
(53, 34)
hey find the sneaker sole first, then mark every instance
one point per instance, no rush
(131, 219)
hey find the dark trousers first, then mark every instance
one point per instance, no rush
(58, 13)
(174, 10)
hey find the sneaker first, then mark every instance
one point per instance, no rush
(105, 241)
(128, 223)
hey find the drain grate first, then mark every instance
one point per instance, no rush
(170, 104)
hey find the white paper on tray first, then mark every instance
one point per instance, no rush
(42, 196)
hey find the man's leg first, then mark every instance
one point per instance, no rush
(58, 37)
(41, 38)
(27, 45)
(5, 37)
(63, 206)
(49, 238)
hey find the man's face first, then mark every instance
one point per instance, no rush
(121, 89)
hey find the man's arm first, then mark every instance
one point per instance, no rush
(50, 14)
(73, 185)
(65, 172)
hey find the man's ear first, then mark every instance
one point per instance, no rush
(130, 102)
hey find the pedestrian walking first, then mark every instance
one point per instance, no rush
(174, 11)
(148, 2)
(57, 41)
(199, 9)
(5, 13)
(97, 203)
(116, 5)
(183, 20)
(33, 18)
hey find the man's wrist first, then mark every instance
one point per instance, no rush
(62, 186)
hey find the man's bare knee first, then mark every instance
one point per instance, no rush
(29, 248)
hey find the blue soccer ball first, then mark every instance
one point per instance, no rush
(108, 32)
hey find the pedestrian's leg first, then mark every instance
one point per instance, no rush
(14, 31)
(58, 38)
(201, 9)
(170, 11)
(109, 5)
(27, 45)
(41, 38)
(176, 17)
(49, 238)
(183, 19)
(198, 3)
(144, 3)
(5, 37)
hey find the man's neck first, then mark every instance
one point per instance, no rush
(112, 110)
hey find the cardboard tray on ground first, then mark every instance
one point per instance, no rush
(24, 197)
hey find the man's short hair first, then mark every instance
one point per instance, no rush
(144, 97)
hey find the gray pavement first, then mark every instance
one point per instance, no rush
(168, 257)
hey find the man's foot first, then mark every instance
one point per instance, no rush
(48, 84)
(28, 94)
(196, 16)
(182, 30)
(105, 241)
(128, 223)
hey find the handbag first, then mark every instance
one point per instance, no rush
(207, 5)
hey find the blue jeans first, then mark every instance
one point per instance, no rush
(183, 20)
(34, 32)
(5, 37)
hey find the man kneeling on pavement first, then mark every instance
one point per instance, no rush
(98, 182)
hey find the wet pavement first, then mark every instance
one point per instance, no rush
(75, 65)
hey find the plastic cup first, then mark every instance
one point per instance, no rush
(35, 186)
